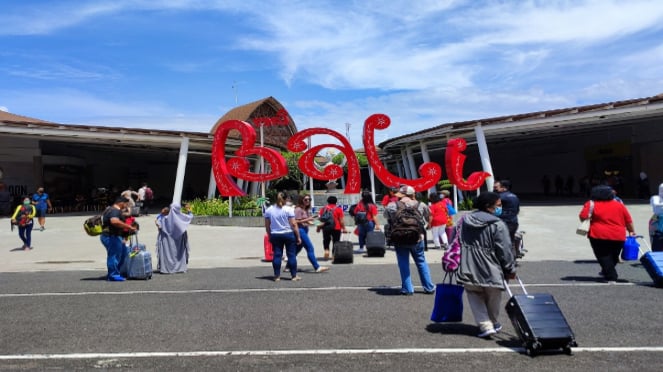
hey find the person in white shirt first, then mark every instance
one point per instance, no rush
(656, 221)
(281, 227)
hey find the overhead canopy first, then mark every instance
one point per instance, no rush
(537, 125)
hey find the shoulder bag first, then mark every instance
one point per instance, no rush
(583, 228)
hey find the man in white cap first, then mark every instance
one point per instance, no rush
(404, 249)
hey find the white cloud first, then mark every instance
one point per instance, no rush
(3, 108)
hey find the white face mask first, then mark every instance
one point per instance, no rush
(660, 190)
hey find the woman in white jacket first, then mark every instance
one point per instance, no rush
(656, 221)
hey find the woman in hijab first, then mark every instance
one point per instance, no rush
(172, 241)
(656, 221)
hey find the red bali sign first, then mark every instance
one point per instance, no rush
(238, 166)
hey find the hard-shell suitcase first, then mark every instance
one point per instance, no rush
(539, 321)
(342, 252)
(653, 263)
(139, 260)
(139, 265)
(376, 242)
(269, 251)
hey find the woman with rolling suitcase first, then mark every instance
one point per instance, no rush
(486, 261)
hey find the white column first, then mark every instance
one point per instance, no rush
(406, 169)
(411, 165)
(211, 188)
(485, 157)
(181, 167)
(426, 159)
(371, 175)
(255, 185)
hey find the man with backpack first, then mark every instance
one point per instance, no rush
(407, 235)
(331, 224)
(145, 197)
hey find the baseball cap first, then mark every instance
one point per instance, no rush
(405, 190)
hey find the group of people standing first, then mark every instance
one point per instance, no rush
(288, 226)
(487, 258)
(172, 240)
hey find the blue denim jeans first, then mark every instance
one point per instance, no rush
(308, 245)
(363, 230)
(25, 233)
(288, 242)
(116, 253)
(403, 256)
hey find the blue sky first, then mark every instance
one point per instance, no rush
(173, 64)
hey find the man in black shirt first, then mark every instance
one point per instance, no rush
(111, 237)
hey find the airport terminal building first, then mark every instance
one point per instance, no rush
(612, 141)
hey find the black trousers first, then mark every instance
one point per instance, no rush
(329, 236)
(607, 254)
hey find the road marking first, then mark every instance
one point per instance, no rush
(158, 354)
(193, 291)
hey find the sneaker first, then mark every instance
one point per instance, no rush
(296, 278)
(322, 269)
(42, 228)
(429, 292)
(498, 327)
(286, 269)
(487, 333)
(407, 294)
(277, 278)
(116, 278)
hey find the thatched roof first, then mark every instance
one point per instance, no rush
(274, 135)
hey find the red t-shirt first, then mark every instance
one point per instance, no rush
(338, 215)
(609, 220)
(387, 199)
(370, 213)
(439, 213)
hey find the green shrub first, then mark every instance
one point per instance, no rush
(244, 206)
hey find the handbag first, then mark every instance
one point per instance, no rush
(631, 249)
(451, 258)
(583, 228)
(451, 210)
(448, 306)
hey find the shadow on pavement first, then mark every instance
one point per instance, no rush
(386, 291)
(453, 328)
(582, 279)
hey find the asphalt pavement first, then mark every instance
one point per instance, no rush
(226, 314)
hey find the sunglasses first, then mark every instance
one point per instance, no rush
(307, 199)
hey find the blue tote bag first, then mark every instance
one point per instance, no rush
(448, 305)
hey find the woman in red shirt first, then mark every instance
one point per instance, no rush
(437, 222)
(609, 222)
(369, 222)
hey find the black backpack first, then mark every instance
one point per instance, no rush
(327, 219)
(407, 225)
(361, 215)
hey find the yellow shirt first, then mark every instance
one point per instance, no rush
(33, 211)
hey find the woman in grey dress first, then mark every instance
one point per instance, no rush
(172, 241)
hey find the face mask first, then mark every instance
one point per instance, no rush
(498, 211)
(26, 202)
